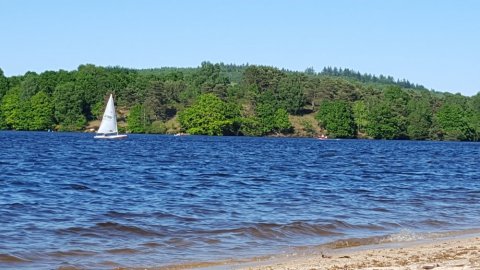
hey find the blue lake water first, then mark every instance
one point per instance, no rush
(149, 201)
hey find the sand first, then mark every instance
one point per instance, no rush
(455, 254)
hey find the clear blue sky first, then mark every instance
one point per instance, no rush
(431, 42)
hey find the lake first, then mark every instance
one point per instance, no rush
(67, 200)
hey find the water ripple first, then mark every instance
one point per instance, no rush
(69, 201)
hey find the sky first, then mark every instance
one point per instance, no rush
(435, 43)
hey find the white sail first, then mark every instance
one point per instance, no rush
(109, 121)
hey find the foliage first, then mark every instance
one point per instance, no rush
(251, 126)
(136, 120)
(368, 78)
(209, 79)
(360, 115)
(225, 99)
(41, 112)
(337, 118)
(68, 108)
(453, 123)
(397, 99)
(4, 85)
(157, 127)
(290, 93)
(474, 118)
(11, 108)
(382, 123)
(272, 118)
(263, 78)
(281, 122)
(419, 119)
(208, 116)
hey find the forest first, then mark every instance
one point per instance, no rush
(238, 100)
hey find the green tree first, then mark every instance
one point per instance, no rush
(453, 121)
(265, 112)
(337, 118)
(29, 85)
(382, 123)
(397, 100)
(136, 120)
(290, 94)
(42, 112)
(136, 91)
(360, 116)
(15, 110)
(48, 80)
(272, 118)
(157, 127)
(387, 114)
(475, 116)
(3, 124)
(116, 80)
(264, 78)
(281, 122)
(251, 126)
(4, 85)
(11, 108)
(209, 79)
(68, 105)
(161, 99)
(475, 102)
(92, 84)
(419, 120)
(338, 88)
(312, 95)
(208, 116)
(255, 100)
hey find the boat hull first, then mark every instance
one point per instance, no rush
(111, 137)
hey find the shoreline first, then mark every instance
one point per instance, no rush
(454, 252)
(458, 250)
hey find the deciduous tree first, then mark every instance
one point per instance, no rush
(337, 118)
(207, 116)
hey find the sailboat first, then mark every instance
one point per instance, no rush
(108, 128)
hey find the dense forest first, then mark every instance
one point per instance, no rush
(248, 100)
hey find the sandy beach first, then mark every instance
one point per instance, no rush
(455, 253)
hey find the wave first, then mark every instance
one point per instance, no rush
(70, 267)
(156, 215)
(8, 258)
(122, 251)
(72, 253)
(277, 231)
(435, 223)
(404, 235)
(80, 187)
(105, 229)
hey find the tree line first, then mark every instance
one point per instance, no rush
(248, 100)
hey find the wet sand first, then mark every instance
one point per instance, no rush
(456, 254)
